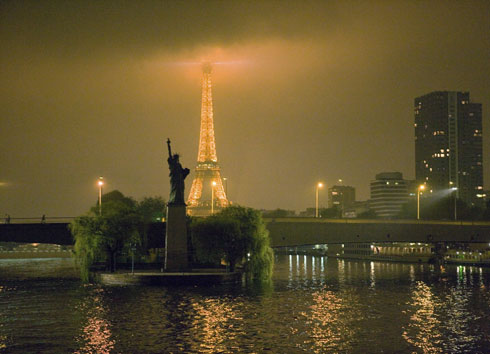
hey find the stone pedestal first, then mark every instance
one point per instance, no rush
(176, 254)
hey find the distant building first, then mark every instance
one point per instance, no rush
(389, 192)
(341, 197)
(448, 144)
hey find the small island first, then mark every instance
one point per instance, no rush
(122, 241)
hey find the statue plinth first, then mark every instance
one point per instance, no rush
(176, 253)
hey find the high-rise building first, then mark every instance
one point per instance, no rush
(448, 144)
(207, 193)
(389, 192)
(341, 197)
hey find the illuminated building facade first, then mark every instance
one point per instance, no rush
(207, 193)
(448, 144)
(389, 192)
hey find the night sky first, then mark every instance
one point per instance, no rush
(314, 91)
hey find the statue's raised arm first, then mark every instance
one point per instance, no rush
(169, 148)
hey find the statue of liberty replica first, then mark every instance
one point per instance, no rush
(176, 252)
(177, 177)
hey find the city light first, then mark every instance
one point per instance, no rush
(419, 191)
(100, 184)
(318, 186)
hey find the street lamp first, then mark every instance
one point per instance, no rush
(319, 185)
(455, 189)
(213, 184)
(100, 183)
(419, 191)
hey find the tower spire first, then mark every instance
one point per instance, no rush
(207, 186)
(207, 143)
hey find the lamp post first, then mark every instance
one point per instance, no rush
(318, 186)
(100, 183)
(455, 189)
(213, 184)
(419, 191)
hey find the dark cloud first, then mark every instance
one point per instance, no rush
(87, 28)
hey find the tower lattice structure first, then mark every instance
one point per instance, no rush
(207, 186)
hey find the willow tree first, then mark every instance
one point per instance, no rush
(236, 235)
(102, 236)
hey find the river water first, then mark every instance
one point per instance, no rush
(314, 305)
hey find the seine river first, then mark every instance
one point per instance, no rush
(314, 305)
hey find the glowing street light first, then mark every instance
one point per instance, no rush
(419, 191)
(319, 185)
(213, 184)
(455, 189)
(100, 183)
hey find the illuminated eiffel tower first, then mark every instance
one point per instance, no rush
(207, 194)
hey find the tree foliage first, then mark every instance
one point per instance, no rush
(151, 209)
(236, 235)
(120, 226)
(88, 242)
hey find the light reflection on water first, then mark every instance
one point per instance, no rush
(96, 332)
(216, 321)
(315, 304)
(423, 329)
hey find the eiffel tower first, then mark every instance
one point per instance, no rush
(207, 194)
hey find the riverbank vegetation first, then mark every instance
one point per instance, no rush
(238, 236)
(120, 227)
